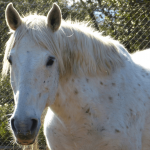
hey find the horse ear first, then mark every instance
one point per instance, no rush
(54, 18)
(12, 17)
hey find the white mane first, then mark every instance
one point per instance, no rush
(79, 49)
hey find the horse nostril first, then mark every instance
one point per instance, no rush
(12, 125)
(34, 125)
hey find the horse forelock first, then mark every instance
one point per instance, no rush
(78, 48)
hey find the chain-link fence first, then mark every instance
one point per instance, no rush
(126, 21)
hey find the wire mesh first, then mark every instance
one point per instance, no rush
(128, 22)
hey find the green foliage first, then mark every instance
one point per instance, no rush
(128, 22)
(41, 139)
(6, 92)
(6, 109)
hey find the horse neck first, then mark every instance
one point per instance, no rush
(78, 98)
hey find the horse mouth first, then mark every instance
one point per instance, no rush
(25, 139)
(25, 142)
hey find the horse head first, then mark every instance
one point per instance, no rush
(33, 70)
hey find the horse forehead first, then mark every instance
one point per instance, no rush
(27, 51)
(27, 44)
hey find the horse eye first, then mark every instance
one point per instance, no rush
(9, 59)
(50, 61)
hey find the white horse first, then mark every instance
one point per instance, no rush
(97, 94)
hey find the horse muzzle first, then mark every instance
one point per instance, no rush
(25, 131)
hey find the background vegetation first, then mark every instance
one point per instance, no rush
(126, 21)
